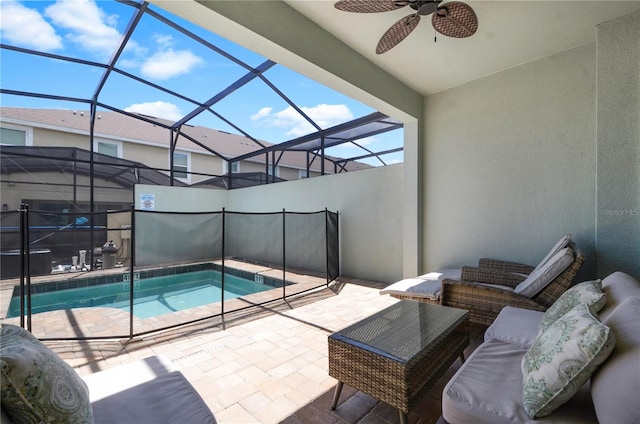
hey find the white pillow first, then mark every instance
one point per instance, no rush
(589, 292)
(562, 359)
(38, 386)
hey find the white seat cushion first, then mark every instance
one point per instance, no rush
(169, 398)
(617, 287)
(616, 383)
(465, 400)
(106, 383)
(150, 390)
(425, 285)
(515, 325)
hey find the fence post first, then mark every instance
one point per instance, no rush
(222, 271)
(22, 261)
(27, 267)
(326, 242)
(131, 267)
(284, 254)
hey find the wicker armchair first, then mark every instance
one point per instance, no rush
(484, 291)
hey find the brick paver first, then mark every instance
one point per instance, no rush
(270, 368)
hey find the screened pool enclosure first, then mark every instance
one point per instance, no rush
(160, 101)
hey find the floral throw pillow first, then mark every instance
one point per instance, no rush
(37, 386)
(589, 292)
(562, 359)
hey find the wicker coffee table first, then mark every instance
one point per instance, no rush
(399, 353)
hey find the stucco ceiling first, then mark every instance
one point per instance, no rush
(509, 34)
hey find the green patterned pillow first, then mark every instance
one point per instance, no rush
(37, 386)
(562, 359)
(589, 292)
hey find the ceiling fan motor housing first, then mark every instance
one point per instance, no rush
(424, 7)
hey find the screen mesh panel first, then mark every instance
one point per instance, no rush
(167, 237)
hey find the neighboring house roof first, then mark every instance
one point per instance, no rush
(119, 126)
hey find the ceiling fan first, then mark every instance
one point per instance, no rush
(453, 18)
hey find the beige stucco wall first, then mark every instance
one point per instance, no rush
(48, 137)
(369, 203)
(517, 159)
(618, 141)
(152, 156)
(510, 163)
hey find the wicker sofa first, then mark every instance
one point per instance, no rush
(489, 386)
(38, 386)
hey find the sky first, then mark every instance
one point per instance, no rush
(91, 31)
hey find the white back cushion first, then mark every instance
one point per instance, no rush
(540, 278)
(561, 244)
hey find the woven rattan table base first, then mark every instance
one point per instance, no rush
(400, 384)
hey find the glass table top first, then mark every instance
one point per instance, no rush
(402, 330)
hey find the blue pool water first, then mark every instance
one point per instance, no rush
(152, 296)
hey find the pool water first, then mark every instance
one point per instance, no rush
(152, 296)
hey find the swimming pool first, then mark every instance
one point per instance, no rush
(153, 296)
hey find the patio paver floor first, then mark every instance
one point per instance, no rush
(270, 366)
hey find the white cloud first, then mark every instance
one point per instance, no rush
(324, 115)
(328, 115)
(132, 63)
(157, 109)
(164, 40)
(364, 141)
(26, 27)
(262, 113)
(88, 25)
(169, 63)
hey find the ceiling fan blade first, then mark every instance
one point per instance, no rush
(398, 32)
(368, 6)
(455, 19)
